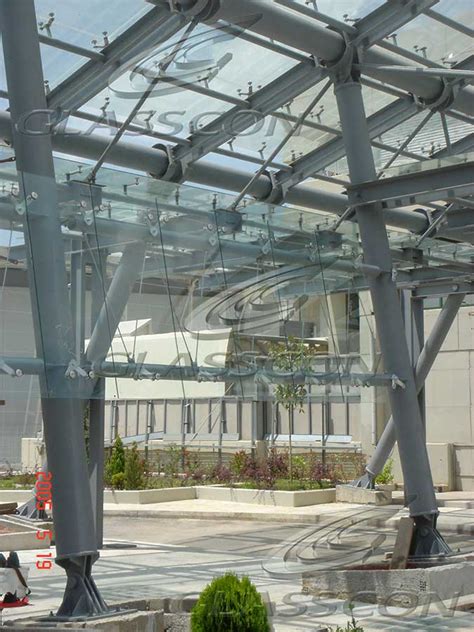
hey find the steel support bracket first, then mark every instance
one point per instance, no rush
(74, 370)
(200, 10)
(176, 170)
(279, 189)
(8, 370)
(445, 99)
(397, 382)
(342, 69)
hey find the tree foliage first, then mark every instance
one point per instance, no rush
(134, 469)
(291, 356)
(116, 462)
(230, 604)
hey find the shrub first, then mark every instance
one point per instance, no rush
(118, 480)
(239, 462)
(173, 457)
(116, 462)
(299, 467)
(229, 604)
(277, 463)
(386, 475)
(221, 473)
(134, 469)
(319, 471)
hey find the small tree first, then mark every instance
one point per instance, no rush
(116, 462)
(230, 604)
(291, 356)
(134, 469)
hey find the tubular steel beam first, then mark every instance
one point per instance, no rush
(156, 162)
(390, 327)
(424, 364)
(287, 27)
(71, 48)
(61, 406)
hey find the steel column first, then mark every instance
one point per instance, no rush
(390, 327)
(423, 366)
(115, 302)
(96, 457)
(62, 408)
(97, 403)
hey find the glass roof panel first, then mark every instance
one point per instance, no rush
(82, 22)
(440, 43)
(349, 10)
(461, 10)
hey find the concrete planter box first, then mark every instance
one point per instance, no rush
(387, 487)
(267, 497)
(360, 496)
(15, 495)
(149, 496)
(405, 588)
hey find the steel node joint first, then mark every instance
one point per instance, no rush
(343, 69)
(445, 99)
(200, 10)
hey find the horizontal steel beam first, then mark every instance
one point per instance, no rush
(72, 48)
(292, 29)
(442, 183)
(208, 173)
(157, 372)
(382, 121)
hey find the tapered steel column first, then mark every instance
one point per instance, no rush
(97, 403)
(390, 326)
(427, 357)
(125, 277)
(62, 407)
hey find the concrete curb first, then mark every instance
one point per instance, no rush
(464, 528)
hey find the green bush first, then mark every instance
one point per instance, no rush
(229, 604)
(118, 480)
(386, 476)
(116, 462)
(134, 474)
(173, 456)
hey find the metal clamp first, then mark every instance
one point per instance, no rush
(8, 370)
(74, 370)
(342, 69)
(278, 193)
(200, 10)
(445, 99)
(175, 172)
(397, 383)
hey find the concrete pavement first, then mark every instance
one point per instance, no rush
(177, 557)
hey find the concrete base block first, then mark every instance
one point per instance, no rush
(360, 496)
(177, 622)
(407, 588)
(126, 622)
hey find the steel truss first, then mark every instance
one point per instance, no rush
(340, 53)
